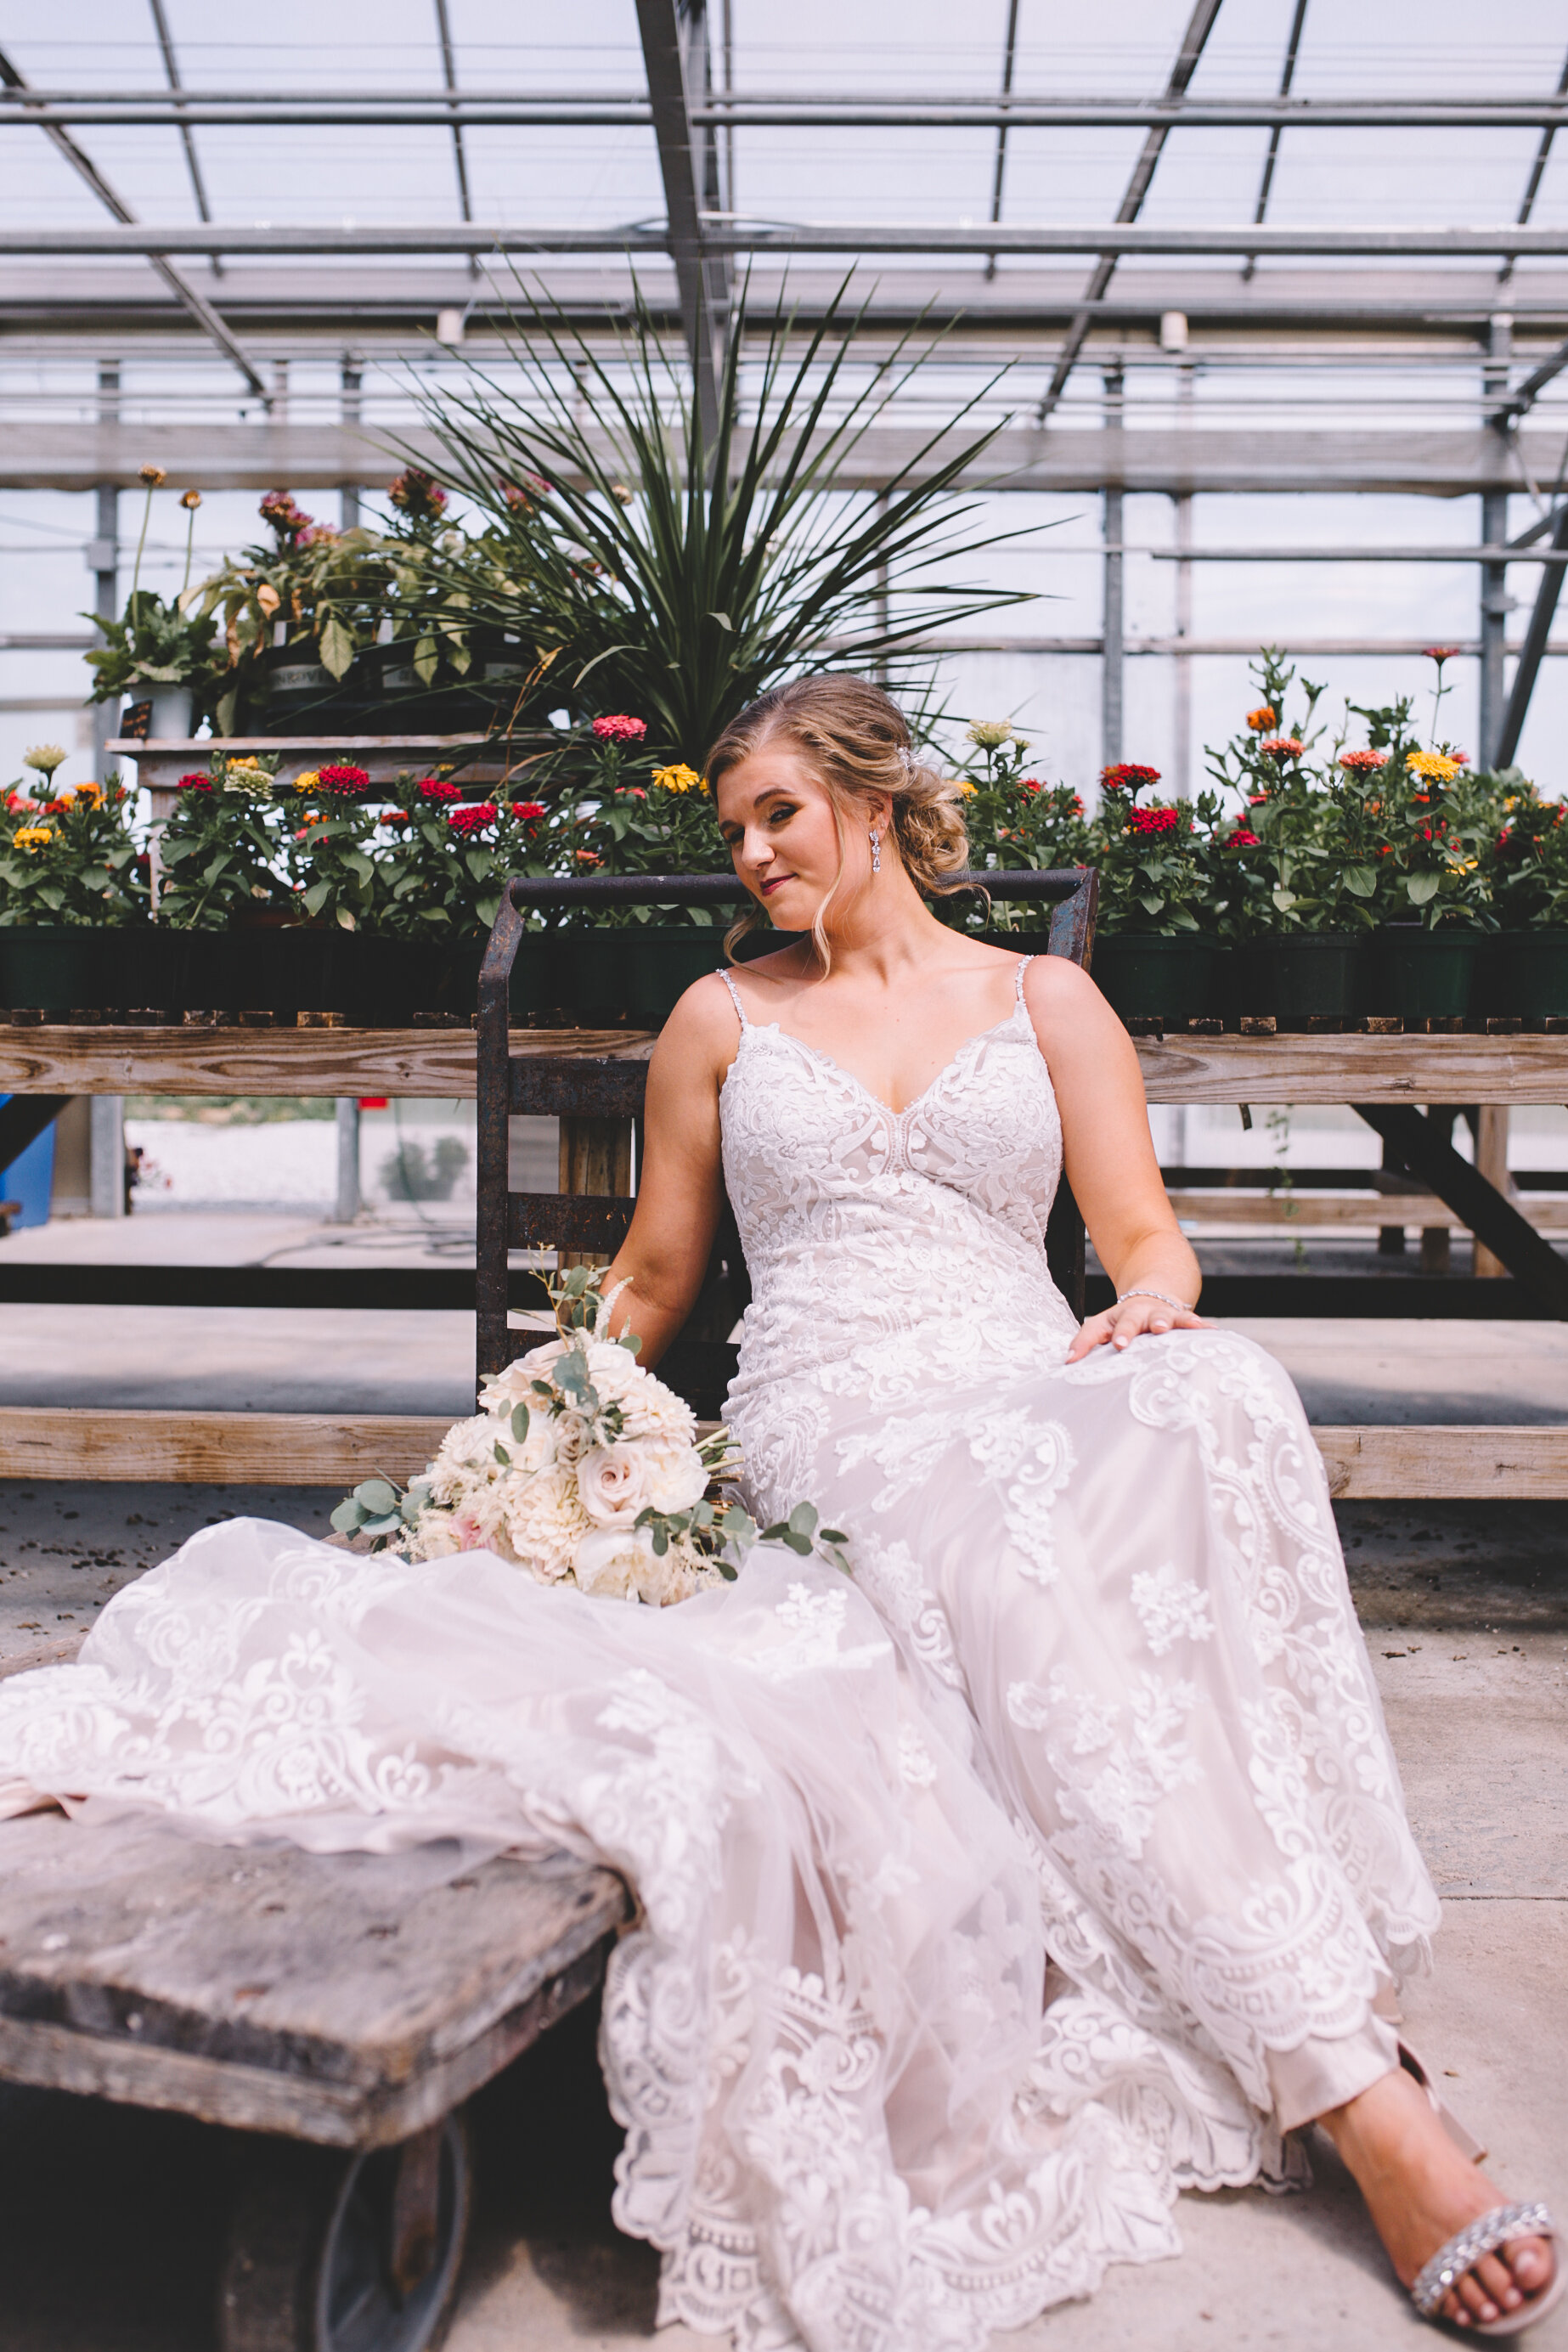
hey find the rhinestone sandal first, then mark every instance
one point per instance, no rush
(1465, 2250)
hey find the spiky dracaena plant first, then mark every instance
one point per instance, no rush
(665, 574)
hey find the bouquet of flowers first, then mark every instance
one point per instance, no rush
(584, 1469)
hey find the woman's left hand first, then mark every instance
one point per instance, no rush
(1121, 1324)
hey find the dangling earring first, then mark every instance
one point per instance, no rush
(876, 851)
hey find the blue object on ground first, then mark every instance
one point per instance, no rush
(30, 1178)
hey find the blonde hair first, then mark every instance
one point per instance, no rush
(857, 745)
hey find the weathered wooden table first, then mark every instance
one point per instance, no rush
(341, 2009)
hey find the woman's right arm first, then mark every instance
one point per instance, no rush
(665, 1256)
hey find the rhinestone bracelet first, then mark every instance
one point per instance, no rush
(1179, 1304)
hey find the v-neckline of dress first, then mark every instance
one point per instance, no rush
(817, 1054)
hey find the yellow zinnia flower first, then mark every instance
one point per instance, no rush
(1435, 765)
(678, 779)
(32, 837)
(308, 781)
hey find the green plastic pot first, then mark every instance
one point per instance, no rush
(1147, 977)
(69, 967)
(1530, 973)
(1422, 975)
(1306, 975)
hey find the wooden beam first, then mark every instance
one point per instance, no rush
(1426, 1463)
(1288, 1209)
(1341, 1069)
(1432, 1463)
(223, 1449)
(61, 1058)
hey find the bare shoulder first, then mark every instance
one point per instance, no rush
(1069, 1011)
(699, 1038)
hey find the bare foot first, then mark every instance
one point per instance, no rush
(1420, 2191)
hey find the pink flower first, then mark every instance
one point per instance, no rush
(1283, 747)
(474, 818)
(1440, 654)
(619, 729)
(1363, 764)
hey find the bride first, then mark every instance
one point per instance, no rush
(1055, 1864)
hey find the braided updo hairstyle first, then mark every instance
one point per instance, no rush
(856, 743)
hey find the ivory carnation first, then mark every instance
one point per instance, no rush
(545, 1521)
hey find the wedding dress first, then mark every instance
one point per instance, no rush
(1054, 1863)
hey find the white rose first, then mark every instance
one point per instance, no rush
(617, 1481)
(614, 1562)
(545, 1520)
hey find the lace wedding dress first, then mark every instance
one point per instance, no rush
(1054, 1863)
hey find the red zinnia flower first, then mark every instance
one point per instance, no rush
(1242, 839)
(619, 729)
(1153, 820)
(432, 789)
(1030, 785)
(1129, 777)
(394, 817)
(473, 818)
(195, 782)
(529, 811)
(342, 780)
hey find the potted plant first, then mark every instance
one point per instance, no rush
(157, 652)
(676, 571)
(1013, 819)
(1302, 857)
(1153, 956)
(73, 894)
(1531, 888)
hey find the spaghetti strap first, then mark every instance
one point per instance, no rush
(1023, 963)
(735, 995)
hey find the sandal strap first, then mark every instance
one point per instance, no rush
(1463, 2250)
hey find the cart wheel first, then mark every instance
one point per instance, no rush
(334, 2252)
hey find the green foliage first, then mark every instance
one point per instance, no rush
(1015, 820)
(678, 578)
(220, 855)
(69, 857)
(154, 644)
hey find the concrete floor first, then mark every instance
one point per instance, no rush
(111, 2220)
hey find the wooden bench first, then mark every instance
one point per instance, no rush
(342, 2007)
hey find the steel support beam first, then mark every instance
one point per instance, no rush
(1494, 597)
(715, 236)
(719, 110)
(1199, 26)
(703, 280)
(1111, 680)
(1287, 76)
(1532, 185)
(460, 157)
(1009, 54)
(63, 455)
(186, 294)
(1532, 650)
(192, 162)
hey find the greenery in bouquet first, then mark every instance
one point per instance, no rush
(676, 565)
(584, 1469)
(155, 641)
(68, 857)
(218, 852)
